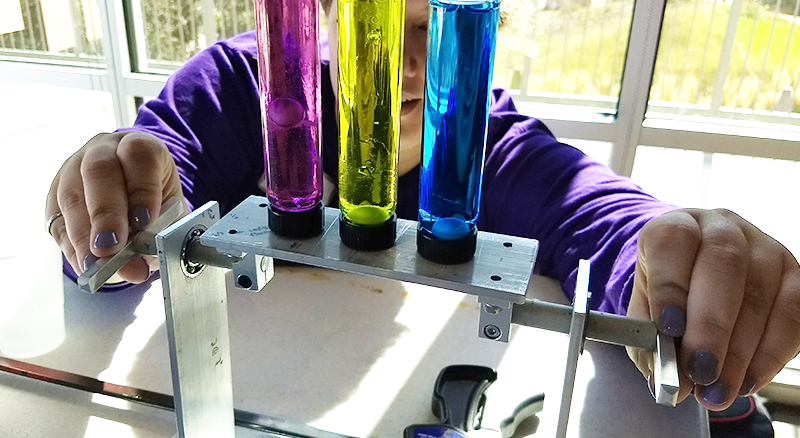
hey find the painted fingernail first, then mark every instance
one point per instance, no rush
(89, 260)
(748, 386)
(715, 394)
(702, 368)
(651, 384)
(672, 321)
(140, 217)
(105, 239)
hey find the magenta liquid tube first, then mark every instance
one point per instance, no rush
(287, 32)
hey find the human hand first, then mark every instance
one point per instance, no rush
(115, 184)
(729, 290)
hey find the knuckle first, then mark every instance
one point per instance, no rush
(728, 214)
(769, 364)
(100, 167)
(103, 211)
(71, 200)
(756, 301)
(669, 285)
(715, 327)
(726, 256)
(59, 231)
(789, 313)
(664, 234)
(140, 147)
(737, 360)
(143, 189)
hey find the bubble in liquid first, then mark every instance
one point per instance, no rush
(285, 112)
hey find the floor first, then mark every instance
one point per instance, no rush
(41, 126)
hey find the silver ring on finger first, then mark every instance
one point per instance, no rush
(49, 224)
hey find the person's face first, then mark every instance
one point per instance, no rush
(414, 51)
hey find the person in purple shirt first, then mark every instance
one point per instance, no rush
(731, 292)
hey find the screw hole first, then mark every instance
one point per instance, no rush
(492, 331)
(262, 205)
(244, 281)
(496, 278)
(508, 244)
(232, 231)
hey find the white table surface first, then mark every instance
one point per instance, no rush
(351, 354)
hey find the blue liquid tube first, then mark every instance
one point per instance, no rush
(461, 46)
(287, 32)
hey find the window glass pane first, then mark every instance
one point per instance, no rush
(565, 51)
(174, 30)
(733, 58)
(52, 31)
(755, 188)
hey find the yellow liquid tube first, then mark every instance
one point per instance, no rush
(370, 87)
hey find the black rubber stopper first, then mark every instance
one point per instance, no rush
(297, 224)
(447, 252)
(368, 238)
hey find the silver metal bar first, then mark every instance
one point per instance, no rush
(99, 273)
(87, 384)
(580, 309)
(601, 327)
(665, 374)
(501, 268)
(197, 328)
(154, 399)
(142, 243)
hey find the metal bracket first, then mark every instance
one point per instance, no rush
(665, 375)
(495, 319)
(253, 272)
(197, 328)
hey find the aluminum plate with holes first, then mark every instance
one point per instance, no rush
(501, 268)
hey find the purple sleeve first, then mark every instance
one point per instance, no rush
(537, 187)
(208, 116)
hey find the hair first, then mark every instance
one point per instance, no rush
(507, 9)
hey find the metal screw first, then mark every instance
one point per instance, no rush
(492, 331)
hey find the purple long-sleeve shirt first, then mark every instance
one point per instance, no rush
(534, 186)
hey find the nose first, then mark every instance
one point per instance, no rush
(413, 56)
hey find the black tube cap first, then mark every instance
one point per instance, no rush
(447, 252)
(297, 224)
(368, 238)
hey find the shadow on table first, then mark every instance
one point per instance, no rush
(613, 369)
(303, 345)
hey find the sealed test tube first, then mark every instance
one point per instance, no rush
(461, 45)
(370, 86)
(287, 32)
